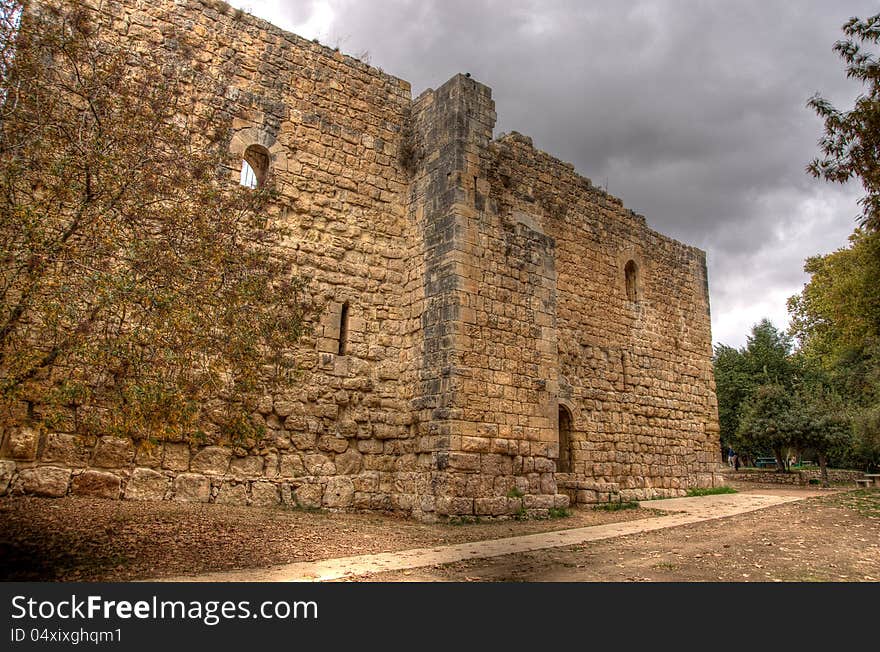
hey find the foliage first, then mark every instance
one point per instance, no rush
(769, 419)
(616, 507)
(733, 386)
(739, 372)
(710, 491)
(836, 320)
(140, 293)
(766, 355)
(558, 512)
(851, 142)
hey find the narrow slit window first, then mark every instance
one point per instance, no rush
(631, 272)
(343, 328)
(563, 465)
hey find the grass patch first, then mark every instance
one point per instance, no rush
(297, 507)
(710, 491)
(464, 520)
(515, 493)
(616, 507)
(664, 565)
(864, 501)
(558, 512)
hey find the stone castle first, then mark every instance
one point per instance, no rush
(501, 337)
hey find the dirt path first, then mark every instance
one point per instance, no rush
(832, 538)
(829, 537)
(109, 540)
(679, 511)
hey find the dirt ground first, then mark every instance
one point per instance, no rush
(79, 539)
(834, 537)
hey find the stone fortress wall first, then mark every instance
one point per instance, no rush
(500, 336)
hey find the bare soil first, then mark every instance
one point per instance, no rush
(80, 539)
(834, 537)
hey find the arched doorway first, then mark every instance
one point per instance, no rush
(563, 464)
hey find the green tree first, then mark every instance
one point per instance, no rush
(822, 418)
(140, 290)
(766, 355)
(764, 360)
(851, 143)
(838, 311)
(836, 321)
(770, 419)
(733, 385)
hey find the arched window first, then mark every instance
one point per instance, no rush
(563, 464)
(255, 166)
(631, 271)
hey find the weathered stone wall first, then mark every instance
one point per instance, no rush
(332, 126)
(634, 371)
(484, 286)
(795, 477)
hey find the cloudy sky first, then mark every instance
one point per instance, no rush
(694, 113)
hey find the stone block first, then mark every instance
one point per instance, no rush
(70, 450)
(349, 463)
(232, 493)
(362, 500)
(175, 457)
(548, 483)
(284, 408)
(292, 466)
(146, 484)
(475, 444)
(246, 467)
(265, 494)
(454, 506)
(7, 470)
(333, 444)
(464, 461)
(270, 465)
(304, 441)
(494, 465)
(212, 460)
(21, 443)
(148, 455)
(490, 506)
(113, 453)
(44, 481)
(339, 492)
(192, 488)
(538, 502)
(367, 482)
(96, 484)
(318, 464)
(544, 465)
(308, 495)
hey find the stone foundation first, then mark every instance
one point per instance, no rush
(794, 477)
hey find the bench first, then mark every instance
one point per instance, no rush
(864, 482)
(762, 462)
